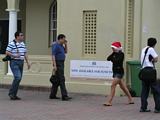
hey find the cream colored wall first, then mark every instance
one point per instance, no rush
(37, 26)
(151, 24)
(3, 68)
(137, 30)
(110, 26)
(40, 72)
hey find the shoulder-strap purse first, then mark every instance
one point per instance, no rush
(7, 57)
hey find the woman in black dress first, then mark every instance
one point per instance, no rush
(117, 58)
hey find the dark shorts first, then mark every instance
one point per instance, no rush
(118, 75)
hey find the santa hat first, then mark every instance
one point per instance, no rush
(116, 45)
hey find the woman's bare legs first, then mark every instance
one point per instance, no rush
(113, 88)
(112, 94)
(126, 91)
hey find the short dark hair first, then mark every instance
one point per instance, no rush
(61, 36)
(17, 34)
(152, 42)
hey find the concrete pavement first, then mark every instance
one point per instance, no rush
(36, 106)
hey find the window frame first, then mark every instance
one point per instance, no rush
(52, 23)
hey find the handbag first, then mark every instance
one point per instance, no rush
(147, 73)
(53, 78)
(7, 57)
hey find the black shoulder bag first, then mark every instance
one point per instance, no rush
(147, 73)
(7, 57)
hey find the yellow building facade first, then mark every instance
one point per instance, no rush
(90, 27)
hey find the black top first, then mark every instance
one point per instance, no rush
(117, 59)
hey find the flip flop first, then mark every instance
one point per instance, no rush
(107, 104)
(130, 103)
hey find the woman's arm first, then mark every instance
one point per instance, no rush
(110, 57)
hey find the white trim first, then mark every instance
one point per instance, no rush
(8, 19)
(113, 47)
(120, 48)
(12, 10)
(12, 29)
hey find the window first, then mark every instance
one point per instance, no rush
(130, 27)
(89, 32)
(53, 22)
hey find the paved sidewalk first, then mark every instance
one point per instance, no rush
(36, 106)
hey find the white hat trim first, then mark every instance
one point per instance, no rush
(120, 48)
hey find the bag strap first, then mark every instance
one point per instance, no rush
(145, 53)
(16, 45)
(53, 72)
(153, 64)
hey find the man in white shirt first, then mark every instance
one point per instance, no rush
(16, 49)
(150, 58)
(150, 52)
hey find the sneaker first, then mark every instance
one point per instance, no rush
(18, 98)
(54, 97)
(66, 98)
(14, 97)
(146, 110)
(156, 111)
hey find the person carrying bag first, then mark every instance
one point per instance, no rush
(17, 52)
(7, 57)
(148, 75)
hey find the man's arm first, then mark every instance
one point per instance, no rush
(27, 60)
(65, 47)
(53, 56)
(155, 59)
(154, 55)
(54, 62)
(11, 55)
(9, 51)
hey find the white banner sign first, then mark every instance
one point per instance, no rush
(91, 69)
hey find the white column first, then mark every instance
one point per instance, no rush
(12, 30)
(12, 24)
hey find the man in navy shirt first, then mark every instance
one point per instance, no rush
(59, 49)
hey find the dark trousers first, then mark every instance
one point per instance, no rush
(59, 81)
(145, 93)
(17, 70)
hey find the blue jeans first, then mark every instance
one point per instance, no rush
(17, 70)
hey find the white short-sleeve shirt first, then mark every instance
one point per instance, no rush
(21, 49)
(151, 52)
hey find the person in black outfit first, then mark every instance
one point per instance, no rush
(150, 59)
(117, 58)
(59, 49)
